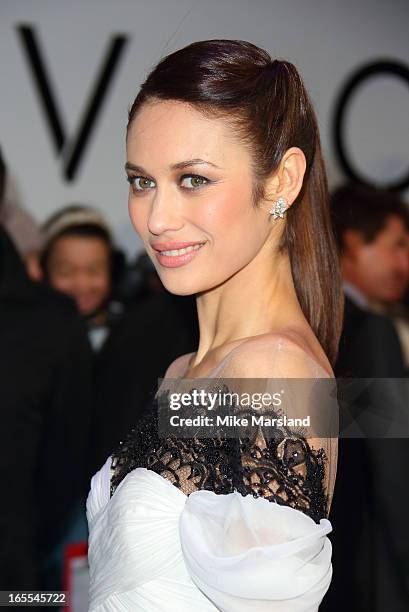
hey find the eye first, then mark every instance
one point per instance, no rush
(196, 181)
(140, 183)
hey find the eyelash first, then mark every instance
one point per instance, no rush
(131, 180)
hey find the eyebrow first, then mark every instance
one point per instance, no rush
(177, 166)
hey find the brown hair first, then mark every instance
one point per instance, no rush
(366, 209)
(266, 103)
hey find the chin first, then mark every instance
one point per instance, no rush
(179, 288)
(392, 298)
(185, 286)
(176, 291)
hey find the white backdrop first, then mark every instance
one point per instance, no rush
(326, 39)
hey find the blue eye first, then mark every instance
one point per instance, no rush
(197, 181)
(139, 183)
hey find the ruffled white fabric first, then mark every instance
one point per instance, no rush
(152, 548)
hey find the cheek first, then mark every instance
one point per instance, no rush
(135, 215)
(371, 260)
(101, 284)
(235, 225)
(62, 283)
(227, 212)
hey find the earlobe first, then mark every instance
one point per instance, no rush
(279, 207)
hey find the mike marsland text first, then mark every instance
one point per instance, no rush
(238, 421)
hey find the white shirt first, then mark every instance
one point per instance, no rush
(356, 295)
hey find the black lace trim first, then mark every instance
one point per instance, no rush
(286, 470)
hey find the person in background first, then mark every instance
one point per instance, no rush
(78, 258)
(46, 415)
(400, 316)
(388, 282)
(369, 511)
(22, 228)
(155, 328)
(373, 225)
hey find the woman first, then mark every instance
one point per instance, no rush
(78, 258)
(228, 192)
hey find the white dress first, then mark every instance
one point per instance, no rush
(153, 548)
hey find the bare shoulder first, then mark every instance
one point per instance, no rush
(283, 354)
(178, 366)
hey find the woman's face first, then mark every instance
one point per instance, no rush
(80, 267)
(190, 196)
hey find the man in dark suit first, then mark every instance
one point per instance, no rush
(46, 410)
(154, 331)
(369, 512)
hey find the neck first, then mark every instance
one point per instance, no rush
(258, 299)
(97, 317)
(349, 274)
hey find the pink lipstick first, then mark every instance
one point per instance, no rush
(175, 254)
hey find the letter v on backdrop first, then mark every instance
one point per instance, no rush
(72, 149)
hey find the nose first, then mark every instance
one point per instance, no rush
(81, 283)
(165, 214)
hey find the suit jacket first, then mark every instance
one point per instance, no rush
(152, 333)
(369, 511)
(46, 410)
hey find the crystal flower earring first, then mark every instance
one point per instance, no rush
(278, 208)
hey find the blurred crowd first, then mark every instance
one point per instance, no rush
(85, 335)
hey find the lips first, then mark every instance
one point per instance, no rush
(176, 254)
(172, 246)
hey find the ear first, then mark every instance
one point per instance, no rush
(352, 241)
(288, 178)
